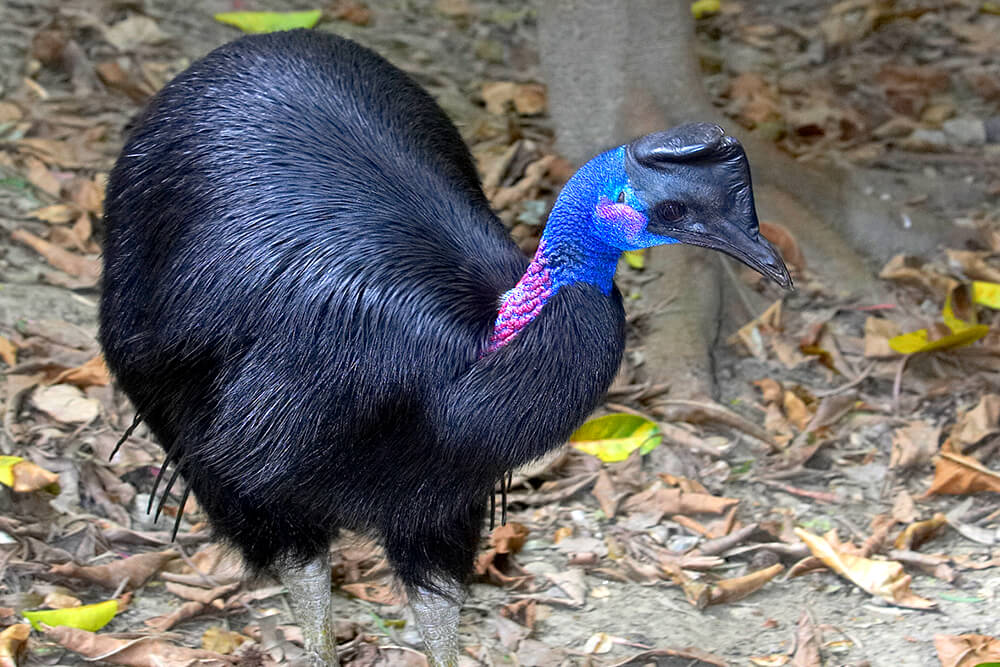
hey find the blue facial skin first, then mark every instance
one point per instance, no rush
(597, 216)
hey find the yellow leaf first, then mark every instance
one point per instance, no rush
(918, 341)
(986, 294)
(636, 258)
(90, 617)
(613, 437)
(702, 8)
(257, 22)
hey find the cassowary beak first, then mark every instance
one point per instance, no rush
(757, 253)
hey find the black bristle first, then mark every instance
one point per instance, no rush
(125, 436)
(180, 512)
(166, 491)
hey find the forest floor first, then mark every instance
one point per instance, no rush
(838, 505)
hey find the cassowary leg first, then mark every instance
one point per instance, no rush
(437, 618)
(309, 592)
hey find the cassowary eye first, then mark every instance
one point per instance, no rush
(621, 197)
(670, 211)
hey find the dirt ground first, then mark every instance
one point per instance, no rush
(816, 77)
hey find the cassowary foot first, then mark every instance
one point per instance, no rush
(437, 619)
(309, 594)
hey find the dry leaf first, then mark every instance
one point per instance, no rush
(878, 331)
(785, 242)
(958, 475)
(883, 578)
(93, 373)
(136, 569)
(737, 588)
(659, 501)
(510, 538)
(187, 610)
(66, 403)
(13, 642)
(979, 422)
(911, 271)
(8, 353)
(807, 643)
(973, 264)
(220, 640)
(86, 268)
(529, 99)
(914, 444)
(770, 389)
(143, 652)
(372, 592)
(133, 32)
(56, 214)
(966, 650)
(917, 533)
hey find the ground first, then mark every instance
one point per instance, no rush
(820, 424)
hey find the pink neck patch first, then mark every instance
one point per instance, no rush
(522, 304)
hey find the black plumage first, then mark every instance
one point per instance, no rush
(301, 275)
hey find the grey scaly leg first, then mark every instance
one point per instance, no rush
(437, 619)
(309, 592)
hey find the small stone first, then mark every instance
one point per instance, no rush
(966, 131)
(992, 125)
(899, 126)
(925, 141)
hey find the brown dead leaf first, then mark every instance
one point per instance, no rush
(737, 588)
(878, 331)
(752, 334)
(904, 509)
(114, 76)
(203, 595)
(135, 569)
(134, 31)
(8, 352)
(966, 650)
(973, 264)
(530, 99)
(28, 477)
(807, 643)
(883, 578)
(510, 538)
(56, 214)
(607, 497)
(372, 592)
(220, 640)
(93, 373)
(76, 153)
(142, 652)
(187, 610)
(66, 403)
(85, 268)
(785, 242)
(659, 501)
(914, 444)
(527, 98)
(913, 271)
(351, 11)
(87, 194)
(770, 389)
(13, 642)
(754, 100)
(957, 474)
(524, 612)
(796, 411)
(917, 533)
(978, 423)
(40, 176)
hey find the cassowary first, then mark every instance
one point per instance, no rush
(309, 301)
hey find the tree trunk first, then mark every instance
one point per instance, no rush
(617, 69)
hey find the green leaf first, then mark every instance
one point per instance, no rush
(702, 8)
(89, 617)
(613, 437)
(636, 258)
(257, 22)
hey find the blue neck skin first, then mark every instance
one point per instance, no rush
(588, 230)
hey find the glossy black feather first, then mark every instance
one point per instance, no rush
(301, 273)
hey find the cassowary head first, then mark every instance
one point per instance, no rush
(690, 184)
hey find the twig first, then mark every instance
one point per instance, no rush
(822, 496)
(897, 384)
(850, 385)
